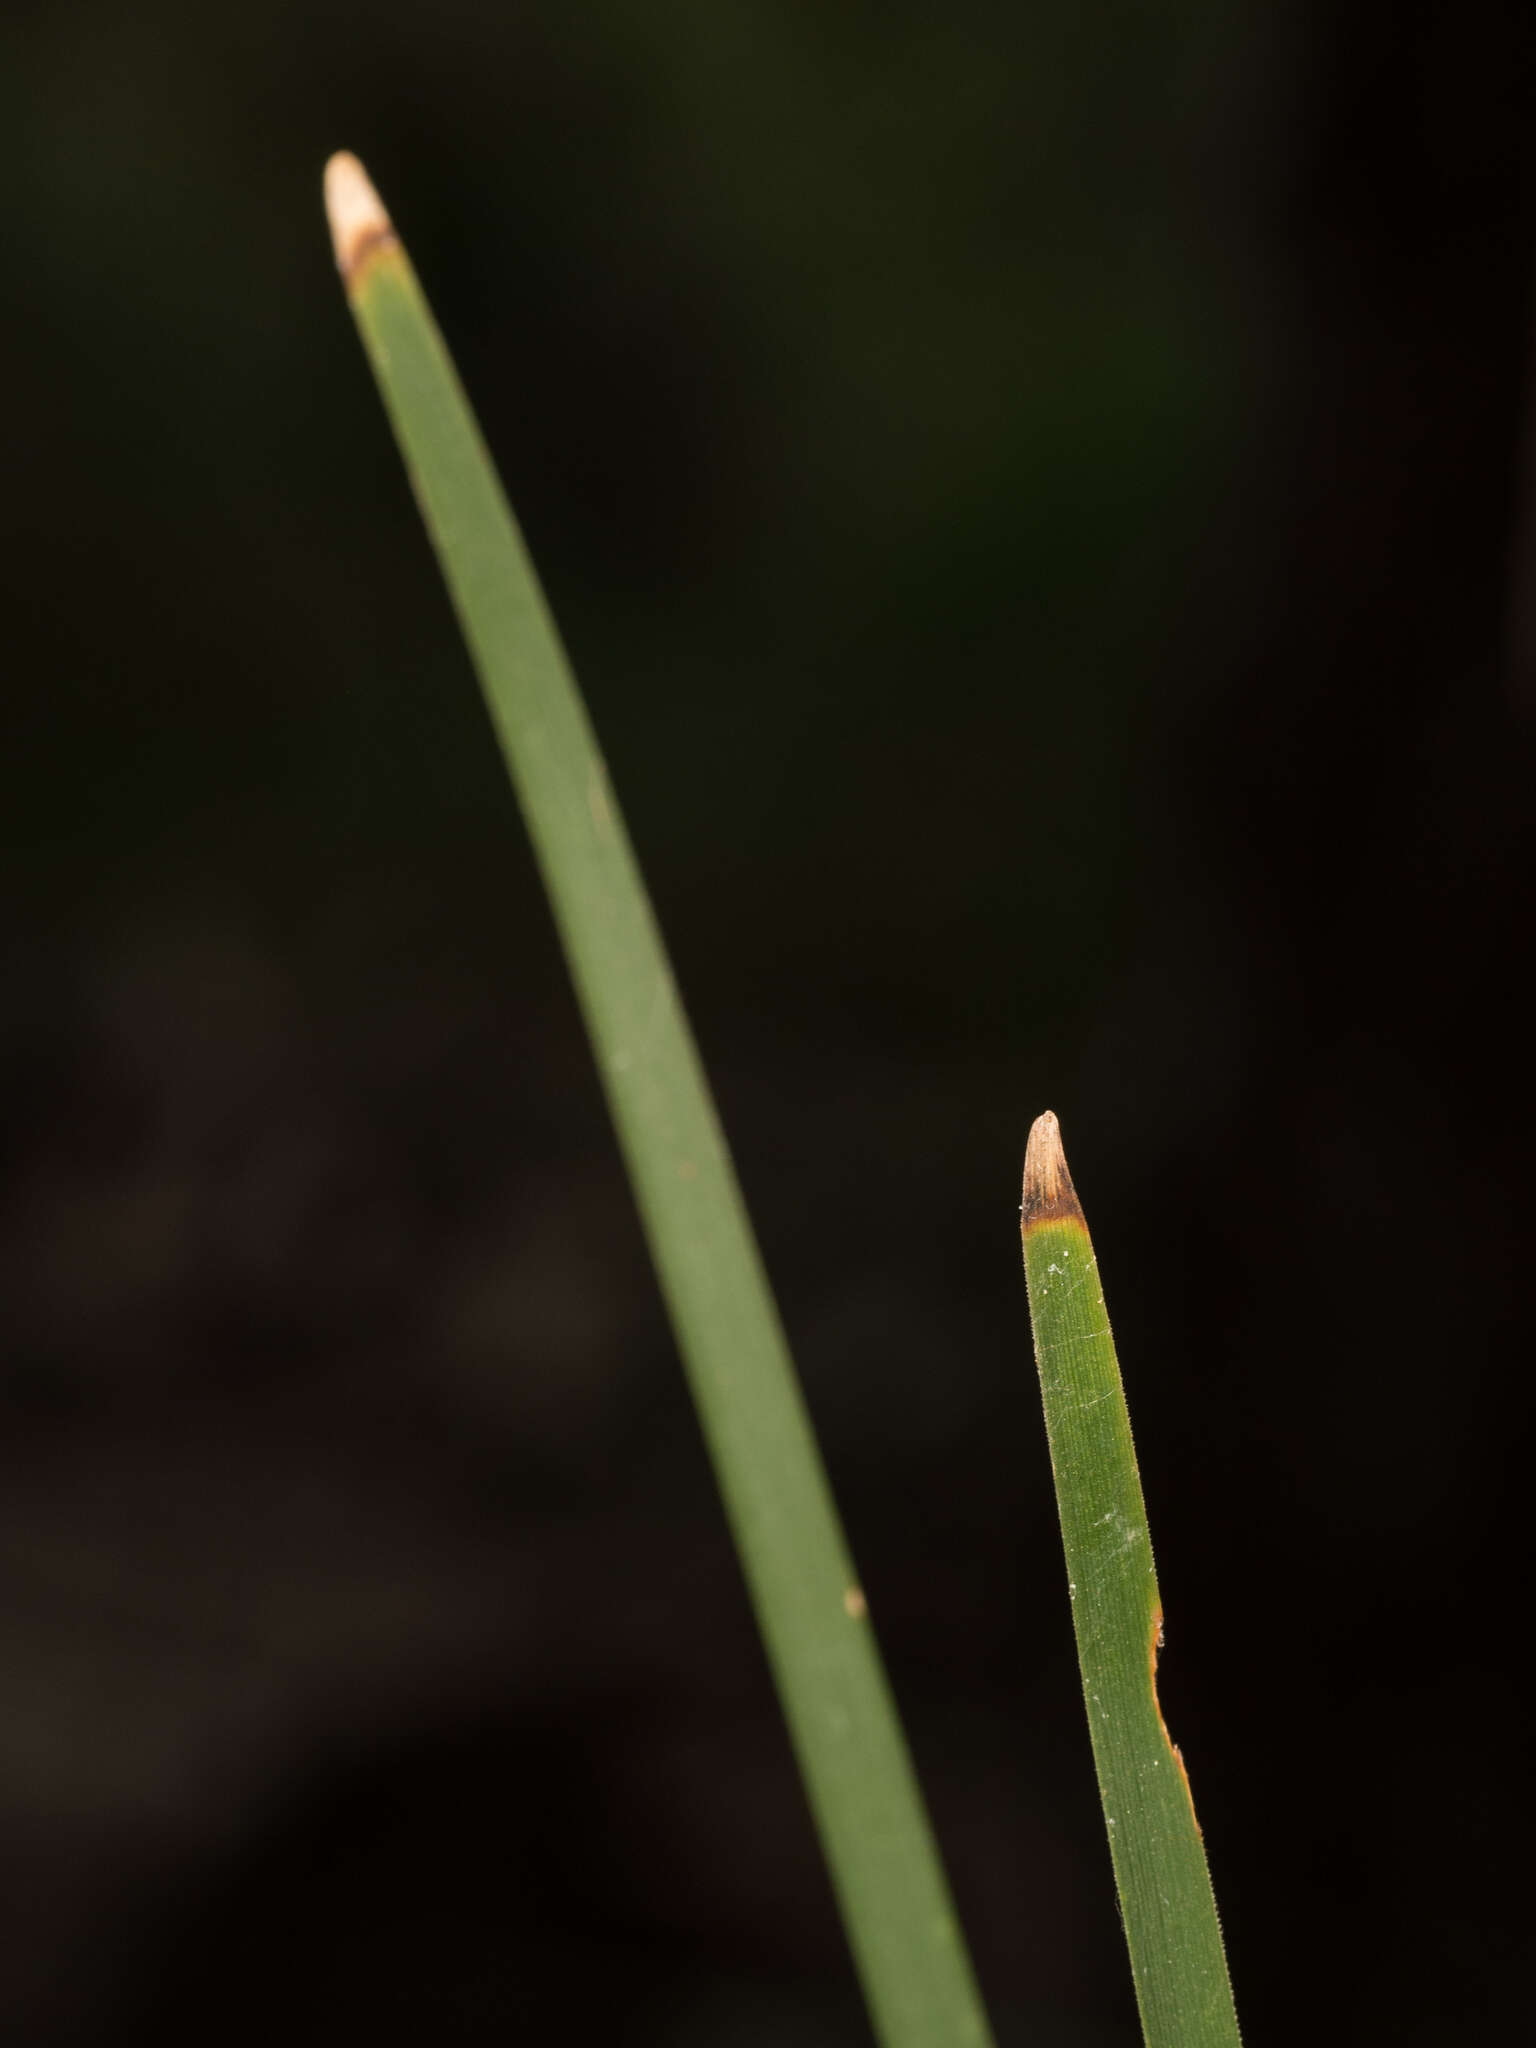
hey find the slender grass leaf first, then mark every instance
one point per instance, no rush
(852, 1756)
(1166, 1901)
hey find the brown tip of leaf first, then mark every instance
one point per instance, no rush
(359, 224)
(1049, 1196)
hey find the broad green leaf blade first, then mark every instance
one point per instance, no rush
(1166, 1901)
(849, 1745)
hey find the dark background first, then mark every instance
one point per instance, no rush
(1036, 497)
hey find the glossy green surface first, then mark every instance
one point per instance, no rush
(1166, 1902)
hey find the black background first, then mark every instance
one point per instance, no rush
(1036, 498)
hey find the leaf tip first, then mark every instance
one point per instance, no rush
(359, 224)
(1049, 1196)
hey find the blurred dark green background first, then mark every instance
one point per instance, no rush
(1036, 498)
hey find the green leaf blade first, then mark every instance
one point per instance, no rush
(1167, 1905)
(848, 1742)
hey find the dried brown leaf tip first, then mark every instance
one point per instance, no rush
(1049, 1196)
(359, 224)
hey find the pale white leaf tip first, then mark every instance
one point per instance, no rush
(354, 210)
